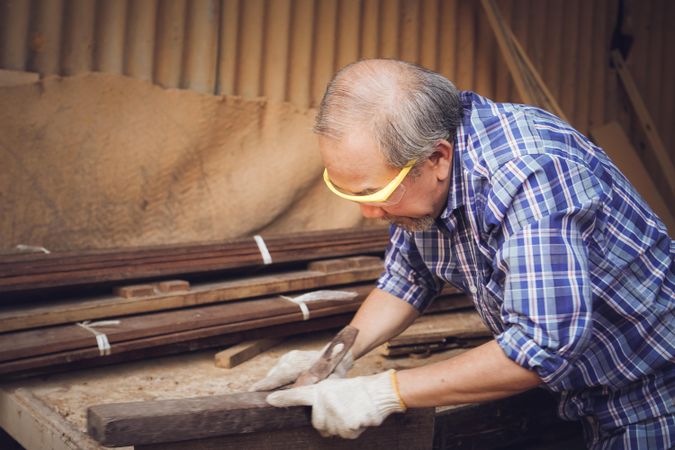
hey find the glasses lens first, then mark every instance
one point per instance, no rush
(393, 199)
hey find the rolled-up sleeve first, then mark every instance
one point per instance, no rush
(547, 207)
(405, 274)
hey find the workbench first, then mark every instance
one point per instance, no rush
(49, 412)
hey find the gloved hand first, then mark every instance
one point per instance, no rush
(345, 407)
(292, 364)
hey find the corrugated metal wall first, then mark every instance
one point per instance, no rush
(289, 49)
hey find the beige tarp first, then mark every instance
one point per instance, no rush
(97, 161)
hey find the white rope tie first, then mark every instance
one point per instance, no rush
(101, 338)
(267, 258)
(32, 248)
(303, 299)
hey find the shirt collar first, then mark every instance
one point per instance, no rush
(455, 197)
(455, 194)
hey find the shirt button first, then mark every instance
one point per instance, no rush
(473, 289)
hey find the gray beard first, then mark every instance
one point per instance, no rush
(411, 224)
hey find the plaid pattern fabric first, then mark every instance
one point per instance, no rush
(566, 263)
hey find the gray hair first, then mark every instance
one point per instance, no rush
(407, 108)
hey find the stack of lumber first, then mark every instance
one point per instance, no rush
(438, 332)
(229, 321)
(153, 317)
(138, 311)
(35, 271)
(317, 275)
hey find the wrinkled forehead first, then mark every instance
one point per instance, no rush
(355, 150)
(355, 162)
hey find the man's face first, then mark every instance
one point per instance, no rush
(356, 166)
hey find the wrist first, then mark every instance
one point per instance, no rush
(383, 392)
(393, 375)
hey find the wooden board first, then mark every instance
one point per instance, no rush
(19, 317)
(438, 329)
(413, 430)
(424, 350)
(244, 351)
(449, 302)
(165, 421)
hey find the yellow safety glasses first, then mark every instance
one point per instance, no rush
(389, 195)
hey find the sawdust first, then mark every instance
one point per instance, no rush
(100, 160)
(183, 376)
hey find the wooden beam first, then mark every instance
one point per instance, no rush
(237, 354)
(544, 97)
(529, 83)
(616, 144)
(503, 36)
(121, 424)
(656, 146)
(413, 430)
(166, 421)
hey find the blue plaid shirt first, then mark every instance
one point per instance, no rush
(566, 263)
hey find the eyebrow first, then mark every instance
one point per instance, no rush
(368, 191)
(362, 192)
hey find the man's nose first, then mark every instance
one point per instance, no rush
(372, 212)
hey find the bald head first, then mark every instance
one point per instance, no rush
(405, 108)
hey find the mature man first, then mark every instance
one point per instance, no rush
(570, 269)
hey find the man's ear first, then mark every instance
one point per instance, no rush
(441, 160)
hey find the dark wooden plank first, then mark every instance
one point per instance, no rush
(410, 431)
(120, 424)
(165, 421)
(450, 302)
(437, 327)
(425, 350)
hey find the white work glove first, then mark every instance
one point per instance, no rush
(292, 364)
(345, 407)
